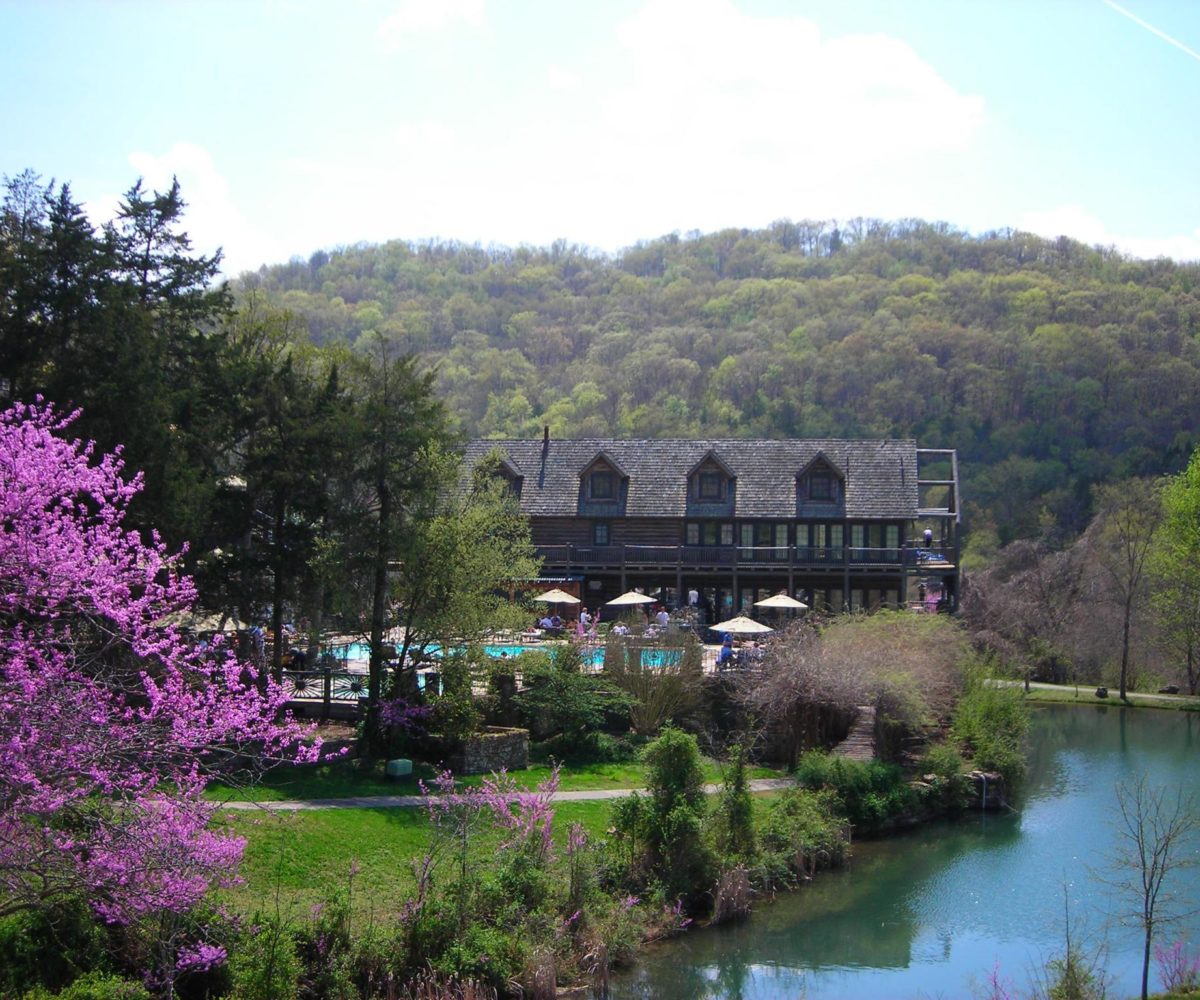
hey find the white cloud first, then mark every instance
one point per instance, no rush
(414, 20)
(708, 117)
(1079, 224)
(558, 78)
(726, 118)
(211, 219)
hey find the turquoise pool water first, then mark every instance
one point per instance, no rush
(594, 657)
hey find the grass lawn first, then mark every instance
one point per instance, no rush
(350, 778)
(1086, 695)
(295, 860)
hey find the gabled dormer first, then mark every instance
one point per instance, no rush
(511, 475)
(820, 487)
(496, 464)
(603, 486)
(711, 487)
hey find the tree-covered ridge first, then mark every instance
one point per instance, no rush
(1048, 364)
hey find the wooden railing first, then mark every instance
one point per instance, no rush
(766, 556)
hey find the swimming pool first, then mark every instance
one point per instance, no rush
(593, 655)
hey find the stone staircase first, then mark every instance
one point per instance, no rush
(859, 743)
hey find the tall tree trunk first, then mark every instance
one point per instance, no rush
(277, 598)
(379, 595)
(1125, 641)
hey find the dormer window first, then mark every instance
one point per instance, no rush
(820, 482)
(710, 486)
(711, 483)
(602, 486)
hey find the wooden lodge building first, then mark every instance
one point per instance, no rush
(838, 524)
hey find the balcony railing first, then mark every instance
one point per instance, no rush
(768, 556)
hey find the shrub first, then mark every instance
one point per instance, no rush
(802, 832)
(991, 722)
(586, 748)
(870, 792)
(94, 986)
(561, 699)
(1178, 970)
(264, 965)
(50, 947)
(948, 787)
(487, 955)
(734, 819)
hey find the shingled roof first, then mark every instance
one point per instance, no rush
(881, 476)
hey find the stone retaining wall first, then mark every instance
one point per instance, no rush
(495, 749)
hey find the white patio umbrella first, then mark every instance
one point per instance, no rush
(781, 601)
(741, 625)
(630, 598)
(557, 596)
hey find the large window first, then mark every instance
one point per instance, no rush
(601, 486)
(820, 485)
(709, 533)
(819, 541)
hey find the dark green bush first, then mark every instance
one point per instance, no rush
(51, 947)
(487, 955)
(94, 986)
(588, 748)
(870, 792)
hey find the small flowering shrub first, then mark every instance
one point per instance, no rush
(1178, 969)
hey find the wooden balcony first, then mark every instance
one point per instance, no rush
(757, 557)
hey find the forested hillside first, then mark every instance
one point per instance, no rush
(1050, 365)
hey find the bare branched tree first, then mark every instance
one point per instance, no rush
(1155, 827)
(904, 664)
(1025, 606)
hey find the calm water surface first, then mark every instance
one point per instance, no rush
(931, 914)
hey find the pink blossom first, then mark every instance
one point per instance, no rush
(200, 957)
(111, 722)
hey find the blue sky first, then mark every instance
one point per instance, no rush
(299, 125)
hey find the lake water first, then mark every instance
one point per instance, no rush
(931, 914)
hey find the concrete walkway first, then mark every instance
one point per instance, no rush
(1089, 691)
(409, 801)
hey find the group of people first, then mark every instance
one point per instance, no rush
(586, 622)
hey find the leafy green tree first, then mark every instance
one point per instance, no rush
(399, 435)
(675, 780)
(125, 324)
(734, 820)
(561, 698)
(1175, 566)
(1128, 520)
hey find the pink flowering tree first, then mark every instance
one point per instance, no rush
(111, 724)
